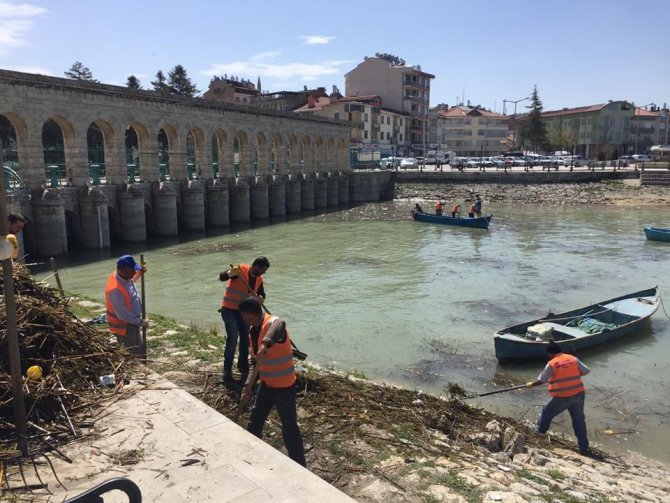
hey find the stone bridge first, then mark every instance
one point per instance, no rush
(90, 164)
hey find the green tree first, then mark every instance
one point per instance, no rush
(535, 132)
(180, 83)
(80, 72)
(133, 82)
(160, 84)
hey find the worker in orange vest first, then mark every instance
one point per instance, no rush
(124, 308)
(243, 280)
(563, 373)
(439, 207)
(455, 209)
(271, 352)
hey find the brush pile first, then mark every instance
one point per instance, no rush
(62, 395)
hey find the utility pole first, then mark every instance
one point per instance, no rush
(12, 334)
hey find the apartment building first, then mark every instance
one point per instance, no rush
(469, 131)
(374, 128)
(400, 87)
(648, 128)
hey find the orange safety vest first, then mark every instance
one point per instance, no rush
(439, 205)
(116, 325)
(277, 369)
(472, 209)
(456, 208)
(237, 290)
(566, 380)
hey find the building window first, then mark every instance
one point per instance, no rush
(337, 115)
(388, 120)
(365, 134)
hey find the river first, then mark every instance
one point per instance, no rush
(415, 304)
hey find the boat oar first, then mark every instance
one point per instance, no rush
(499, 391)
(296, 352)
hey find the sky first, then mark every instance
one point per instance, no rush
(577, 52)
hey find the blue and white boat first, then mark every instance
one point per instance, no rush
(657, 234)
(476, 222)
(578, 329)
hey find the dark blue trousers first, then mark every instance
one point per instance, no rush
(236, 330)
(284, 400)
(575, 406)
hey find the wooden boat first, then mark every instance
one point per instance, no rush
(477, 222)
(656, 234)
(578, 329)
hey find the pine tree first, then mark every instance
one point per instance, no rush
(80, 72)
(535, 132)
(133, 82)
(160, 84)
(180, 83)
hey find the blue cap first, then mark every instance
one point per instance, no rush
(128, 262)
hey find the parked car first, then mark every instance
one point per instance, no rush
(577, 161)
(409, 163)
(640, 158)
(498, 162)
(390, 162)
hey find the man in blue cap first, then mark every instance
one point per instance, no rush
(124, 308)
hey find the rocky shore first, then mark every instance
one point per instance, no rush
(618, 193)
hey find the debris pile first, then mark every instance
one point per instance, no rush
(62, 360)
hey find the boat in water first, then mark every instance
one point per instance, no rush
(657, 234)
(578, 329)
(476, 222)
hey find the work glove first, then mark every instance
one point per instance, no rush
(144, 324)
(9, 247)
(234, 272)
(530, 384)
(144, 267)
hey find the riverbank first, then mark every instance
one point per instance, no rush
(616, 193)
(374, 442)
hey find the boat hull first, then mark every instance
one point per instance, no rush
(627, 314)
(656, 234)
(476, 222)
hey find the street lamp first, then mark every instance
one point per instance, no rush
(514, 116)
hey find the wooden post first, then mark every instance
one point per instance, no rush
(12, 334)
(144, 312)
(55, 270)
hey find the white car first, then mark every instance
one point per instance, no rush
(640, 158)
(409, 163)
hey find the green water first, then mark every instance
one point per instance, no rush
(416, 304)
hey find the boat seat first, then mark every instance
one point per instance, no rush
(567, 332)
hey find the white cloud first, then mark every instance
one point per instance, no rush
(284, 72)
(317, 39)
(15, 23)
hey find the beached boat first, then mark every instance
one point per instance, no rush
(579, 329)
(656, 234)
(477, 222)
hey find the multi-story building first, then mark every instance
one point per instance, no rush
(595, 132)
(373, 127)
(231, 90)
(647, 128)
(287, 101)
(400, 87)
(469, 131)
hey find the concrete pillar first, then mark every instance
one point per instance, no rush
(76, 159)
(240, 211)
(343, 181)
(218, 214)
(333, 189)
(177, 152)
(149, 170)
(49, 220)
(259, 198)
(374, 186)
(94, 219)
(116, 172)
(307, 192)
(358, 187)
(293, 193)
(193, 205)
(277, 195)
(132, 214)
(320, 191)
(165, 210)
(31, 161)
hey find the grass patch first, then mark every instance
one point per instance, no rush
(525, 474)
(556, 474)
(454, 481)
